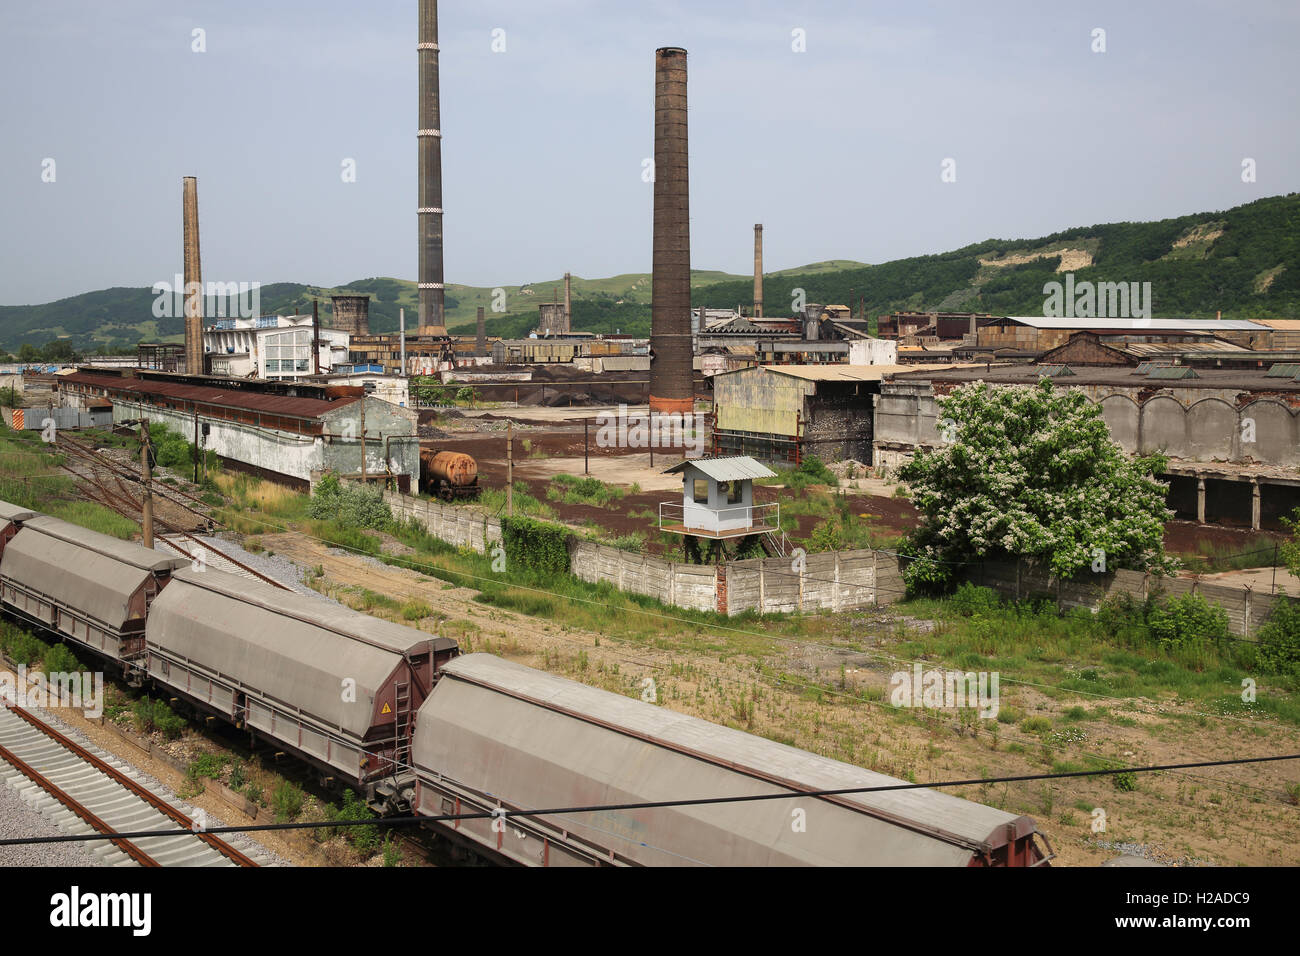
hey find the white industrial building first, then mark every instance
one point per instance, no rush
(273, 346)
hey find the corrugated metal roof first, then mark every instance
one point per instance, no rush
(851, 373)
(287, 645)
(1174, 325)
(614, 746)
(725, 469)
(289, 407)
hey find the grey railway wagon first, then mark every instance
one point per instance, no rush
(496, 733)
(90, 587)
(11, 519)
(338, 686)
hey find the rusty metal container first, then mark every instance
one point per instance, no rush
(449, 474)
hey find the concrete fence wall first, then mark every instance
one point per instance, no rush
(1247, 610)
(834, 581)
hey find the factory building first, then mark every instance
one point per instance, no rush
(1232, 435)
(284, 432)
(273, 346)
(789, 412)
(1028, 337)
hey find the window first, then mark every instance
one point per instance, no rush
(733, 493)
(701, 491)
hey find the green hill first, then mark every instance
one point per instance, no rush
(1243, 262)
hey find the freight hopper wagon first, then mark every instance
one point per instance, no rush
(91, 588)
(498, 734)
(337, 688)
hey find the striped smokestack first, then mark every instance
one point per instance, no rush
(672, 387)
(431, 318)
(193, 291)
(758, 270)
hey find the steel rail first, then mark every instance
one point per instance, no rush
(32, 774)
(148, 796)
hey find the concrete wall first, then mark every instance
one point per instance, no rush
(297, 456)
(35, 418)
(1247, 610)
(834, 581)
(1197, 424)
(873, 352)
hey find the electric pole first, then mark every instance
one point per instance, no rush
(510, 469)
(146, 468)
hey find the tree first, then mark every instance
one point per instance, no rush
(1032, 472)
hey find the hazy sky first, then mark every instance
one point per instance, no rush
(837, 150)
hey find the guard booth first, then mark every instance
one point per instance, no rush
(717, 505)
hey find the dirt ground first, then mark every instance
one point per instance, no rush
(1227, 816)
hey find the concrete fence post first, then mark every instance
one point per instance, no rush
(835, 595)
(1246, 610)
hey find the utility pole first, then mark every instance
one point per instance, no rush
(586, 447)
(510, 469)
(196, 443)
(363, 441)
(146, 504)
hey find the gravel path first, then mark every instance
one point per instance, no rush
(272, 565)
(17, 820)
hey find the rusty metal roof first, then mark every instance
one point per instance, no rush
(286, 406)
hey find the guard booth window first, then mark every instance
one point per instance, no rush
(733, 493)
(701, 491)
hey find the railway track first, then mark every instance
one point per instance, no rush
(84, 790)
(123, 501)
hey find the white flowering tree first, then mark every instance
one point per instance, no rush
(1031, 472)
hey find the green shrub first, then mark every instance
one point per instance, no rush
(350, 505)
(969, 600)
(287, 801)
(1278, 641)
(150, 715)
(1186, 621)
(365, 838)
(1036, 725)
(59, 660)
(1125, 782)
(535, 545)
(415, 610)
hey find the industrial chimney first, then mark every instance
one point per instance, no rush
(352, 313)
(568, 306)
(432, 319)
(672, 387)
(480, 340)
(758, 270)
(193, 277)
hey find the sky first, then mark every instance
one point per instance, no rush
(829, 122)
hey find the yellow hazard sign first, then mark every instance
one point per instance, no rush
(386, 710)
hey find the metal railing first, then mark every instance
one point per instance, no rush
(731, 519)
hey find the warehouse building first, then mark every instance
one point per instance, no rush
(788, 412)
(1232, 435)
(1021, 336)
(266, 428)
